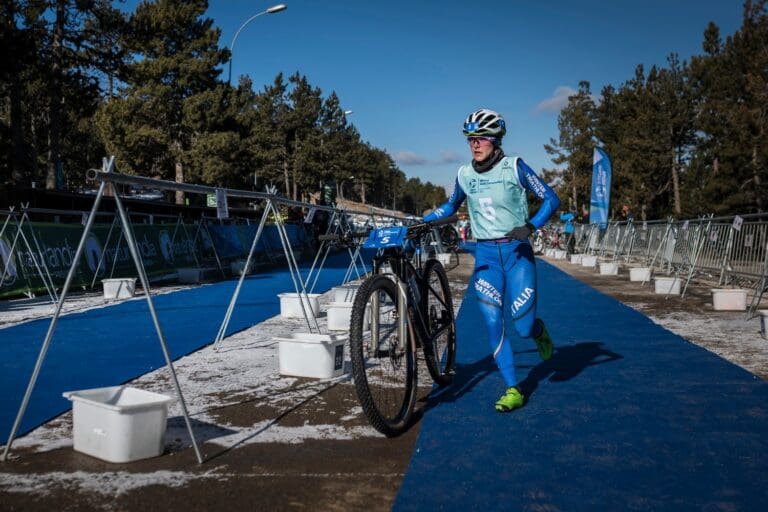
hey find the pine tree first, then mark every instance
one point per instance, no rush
(149, 126)
(731, 84)
(50, 90)
(575, 144)
(267, 138)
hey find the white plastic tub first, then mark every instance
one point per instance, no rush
(764, 323)
(318, 356)
(729, 299)
(588, 261)
(444, 258)
(290, 307)
(119, 423)
(345, 293)
(576, 259)
(639, 274)
(609, 268)
(559, 254)
(666, 285)
(119, 288)
(340, 314)
(549, 252)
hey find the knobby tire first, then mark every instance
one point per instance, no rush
(437, 312)
(385, 378)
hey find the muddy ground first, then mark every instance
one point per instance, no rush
(270, 442)
(275, 443)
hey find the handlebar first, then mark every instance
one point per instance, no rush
(417, 230)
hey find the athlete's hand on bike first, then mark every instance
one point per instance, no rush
(521, 232)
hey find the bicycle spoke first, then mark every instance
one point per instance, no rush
(437, 312)
(383, 365)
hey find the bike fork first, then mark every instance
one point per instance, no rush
(375, 306)
(402, 314)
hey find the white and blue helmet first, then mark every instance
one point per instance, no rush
(486, 123)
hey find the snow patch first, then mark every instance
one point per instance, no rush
(110, 483)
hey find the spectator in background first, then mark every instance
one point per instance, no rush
(568, 217)
(626, 213)
(584, 219)
(463, 223)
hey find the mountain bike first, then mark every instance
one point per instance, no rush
(404, 305)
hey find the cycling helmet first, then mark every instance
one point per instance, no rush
(486, 123)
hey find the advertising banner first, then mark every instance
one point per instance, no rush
(601, 188)
(58, 244)
(161, 253)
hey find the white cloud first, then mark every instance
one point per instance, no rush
(449, 157)
(557, 101)
(410, 158)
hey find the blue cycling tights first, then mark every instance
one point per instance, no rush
(505, 277)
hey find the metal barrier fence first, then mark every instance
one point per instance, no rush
(30, 237)
(725, 251)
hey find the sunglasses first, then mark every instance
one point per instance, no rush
(481, 141)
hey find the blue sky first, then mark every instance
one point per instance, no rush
(411, 71)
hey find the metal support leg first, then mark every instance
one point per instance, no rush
(104, 252)
(231, 307)
(55, 319)
(215, 252)
(133, 248)
(298, 284)
(303, 291)
(323, 245)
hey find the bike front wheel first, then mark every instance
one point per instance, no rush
(436, 311)
(383, 357)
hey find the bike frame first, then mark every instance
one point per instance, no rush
(405, 267)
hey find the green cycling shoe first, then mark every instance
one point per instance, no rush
(544, 343)
(510, 401)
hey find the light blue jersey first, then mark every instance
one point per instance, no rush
(500, 195)
(495, 199)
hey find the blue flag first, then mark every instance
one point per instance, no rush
(601, 188)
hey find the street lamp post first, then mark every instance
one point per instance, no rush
(271, 10)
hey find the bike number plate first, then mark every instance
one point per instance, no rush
(386, 237)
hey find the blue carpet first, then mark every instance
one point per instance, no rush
(114, 344)
(625, 416)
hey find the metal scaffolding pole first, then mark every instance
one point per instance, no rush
(136, 255)
(45, 277)
(104, 252)
(236, 294)
(298, 284)
(56, 314)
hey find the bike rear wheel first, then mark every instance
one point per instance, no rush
(449, 238)
(383, 364)
(436, 310)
